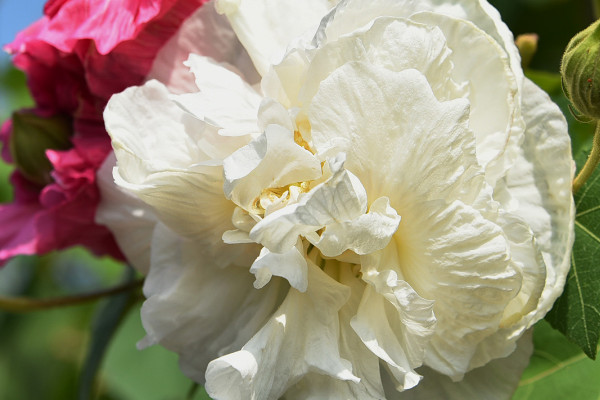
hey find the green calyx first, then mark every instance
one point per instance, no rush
(579, 70)
(31, 136)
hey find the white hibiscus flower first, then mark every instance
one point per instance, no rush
(389, 210)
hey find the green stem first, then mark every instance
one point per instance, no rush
(590, 164)
(24, 304)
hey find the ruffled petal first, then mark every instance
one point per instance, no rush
(107, 25)
(272, 160)
(363, 235)
(340, 198)
(131, 221)
(497, 380)
(402, 125)
(224, 101)
(185, 311)
(162, 160)
(395, 323)
(492, 85)
(365, 364)
(451, 254)
(526, 258)
(301, 337)
(204, 32)
(351, 15)
(539, 186)
(392, 43)
(290, 265)
(266, 28)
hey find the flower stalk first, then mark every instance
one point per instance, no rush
(24, 304)
(590, 164)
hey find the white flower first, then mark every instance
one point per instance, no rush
(390, 210)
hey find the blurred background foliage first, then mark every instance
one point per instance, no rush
(43, 353)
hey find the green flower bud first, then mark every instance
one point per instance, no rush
(31, 136)
(580, 71)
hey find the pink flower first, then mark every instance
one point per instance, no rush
(75, 57)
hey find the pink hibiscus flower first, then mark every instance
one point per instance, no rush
(75, 57)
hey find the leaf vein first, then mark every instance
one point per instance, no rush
(580, 294)
(590, 184)
(589, 210)
(554, 369)
(586, 230)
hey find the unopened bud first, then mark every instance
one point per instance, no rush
(580, 71)
(31, 136)
(527, 44)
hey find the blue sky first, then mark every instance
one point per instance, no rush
(16, 15)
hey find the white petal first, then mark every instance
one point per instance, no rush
(340, 198)
(392, 43)
(185, 311)
(265, 28)
(451, 254)
(353, 14)
(284, 80)
(495, 381)
(272, 112)
(272, 160)
(290, 265)
(520, 313)
(365, 364)
(225, 99)
(395, 323)
(540, 182)
(141, 120)
(161, 160)
(492, 86)
(130, 220)
(367, 233)
(388, 123)
(301, 337)
(207, 33)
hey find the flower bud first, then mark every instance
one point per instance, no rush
(579, 68)
(31, 136)
(527, 44)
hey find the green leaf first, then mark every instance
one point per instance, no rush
(150, 374)
(31, 136)
(558, 370)
(105, 324)
(577, 312)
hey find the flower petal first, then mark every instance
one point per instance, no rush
(340, 198)
(350, 15)
(363, 235)
(266, 28)
(451, 254)
(185, 311)
(395, 323)
(492, 86)
(290, 265)
(365, 364)
(495, 381)
(272, 160)
(392, 43)
(161, 158)
(204, 32)
(225, 100)
(131, 221)
(301, 337)
(402, 125)
(540, 183)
